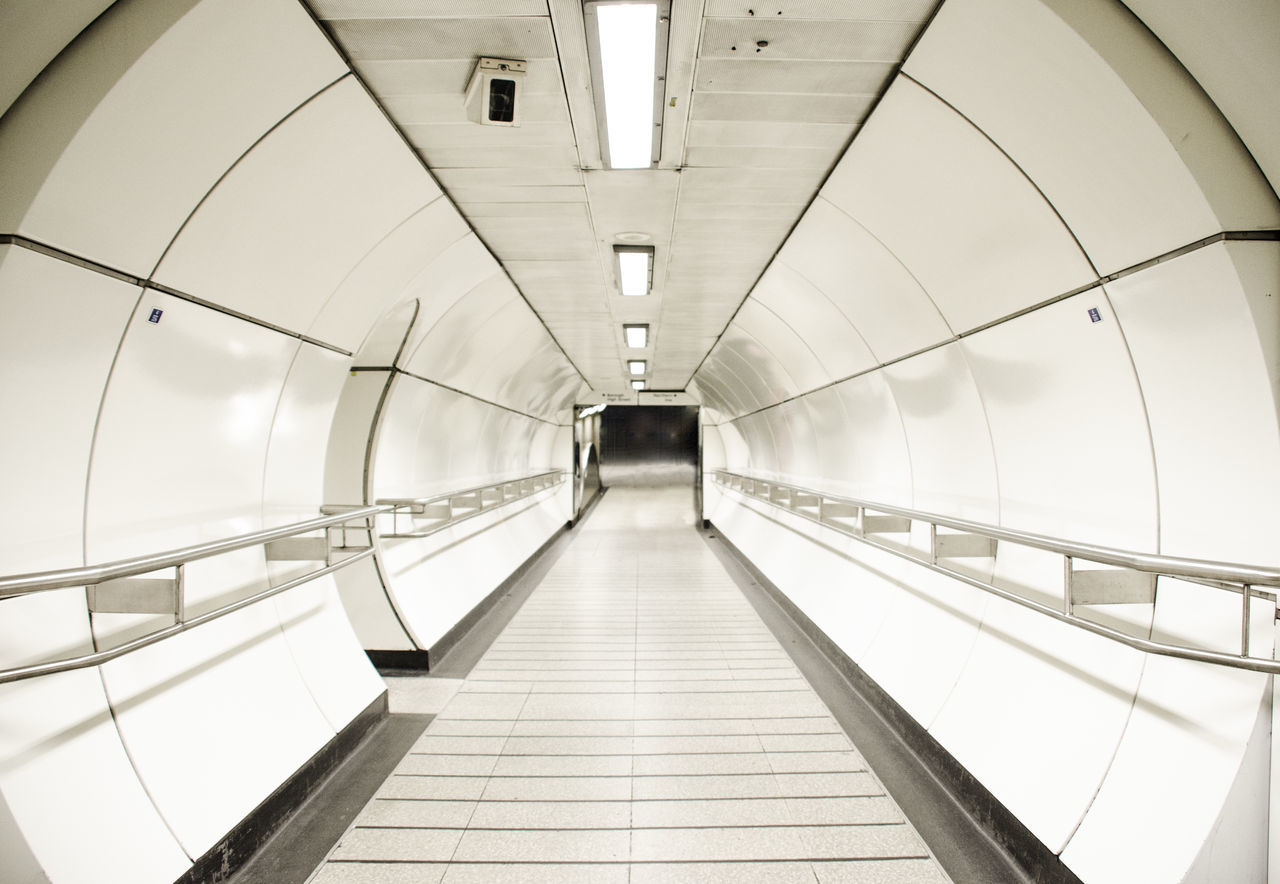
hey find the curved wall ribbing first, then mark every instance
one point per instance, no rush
(930, 344)
(216, 161)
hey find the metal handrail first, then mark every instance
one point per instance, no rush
(171, 592)
(420, 506)
(831, 511)
(42, 581)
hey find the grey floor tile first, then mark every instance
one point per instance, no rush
(527, 845)
(746, 786)
(435, 741)
(421, 764)
(562, 728)
(697, 743)
(393, 813)
(558, 789)
(856, 842)
(443, 727)
(816, 762)
(484, 706)
(436, 788)
(568, 745)
(405, 845)
(691, 727)
(701, 763)
(827, 785)
(380, 873)
(579, 706)
(723, 873)
(712, 812)
(843, 811)
(834, 742)
(563, 766)
(535, 873)
(552, 815)
(907, 871)
(692, 845)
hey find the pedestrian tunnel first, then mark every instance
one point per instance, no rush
(962, 316)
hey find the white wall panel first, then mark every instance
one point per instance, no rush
(182, 439)
(110, 125)
(1229, 50)
(446, 347)
(59, 329)
(32, 33)
(1181, 749)
(1212, 412)
(380, 280)
(283, 229)
(179, 458)
(951, 207)
(755, 366)
(1087, 140)
(875, 464)
(827, 331)
(185, 707)
(952, 463)
(1073, 454)
(319, 635)
(785, 343)
(459, 269)
(63, 771)
(893, 314)
(1014, 718)
(825, 410)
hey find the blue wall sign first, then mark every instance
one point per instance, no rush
(155, 315)
(1095, 315)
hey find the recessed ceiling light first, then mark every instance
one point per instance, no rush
(637, 336)
(627, 44)
(637, 366)
(635, 269)
(637, 385)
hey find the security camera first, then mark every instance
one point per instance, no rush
(494, 90)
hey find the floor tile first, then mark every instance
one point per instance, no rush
(411, 845)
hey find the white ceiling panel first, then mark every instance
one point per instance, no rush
(330, 9)
(410, 38)
(862, 10)
(416, 109)
(515, 157)
(782, 108)
(784, 75)
(827, 39)
(452, 179)
(445, 76)
(827, 137)
(446, 136)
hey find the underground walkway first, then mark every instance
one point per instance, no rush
(635, 721)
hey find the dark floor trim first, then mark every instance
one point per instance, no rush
(396, 661)
(235, 849)
(305, 840)
(974, 836)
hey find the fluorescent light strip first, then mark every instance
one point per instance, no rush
(637, 385)
(628, 34)
(633, 273)
(637, 366)
(637, 336)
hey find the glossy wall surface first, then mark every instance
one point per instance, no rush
(205, 220)
(970, 320)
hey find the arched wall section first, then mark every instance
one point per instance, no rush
(1037, 301)
(204, 218)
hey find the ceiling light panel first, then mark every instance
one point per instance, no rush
(637, 336)
(636, 366)
(635, 269)
(627, 45)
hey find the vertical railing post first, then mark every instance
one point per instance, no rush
(1067, 566)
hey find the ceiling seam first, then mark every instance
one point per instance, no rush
(426, 168)
(840, 156)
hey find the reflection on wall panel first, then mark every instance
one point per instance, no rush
(952, 465)
(1068, 425)
(1213, 418)
(1128, 148)
(787, 347)
(109, 126)
(965, 222)
(283, 229)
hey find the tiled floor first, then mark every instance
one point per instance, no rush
(636, 721)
